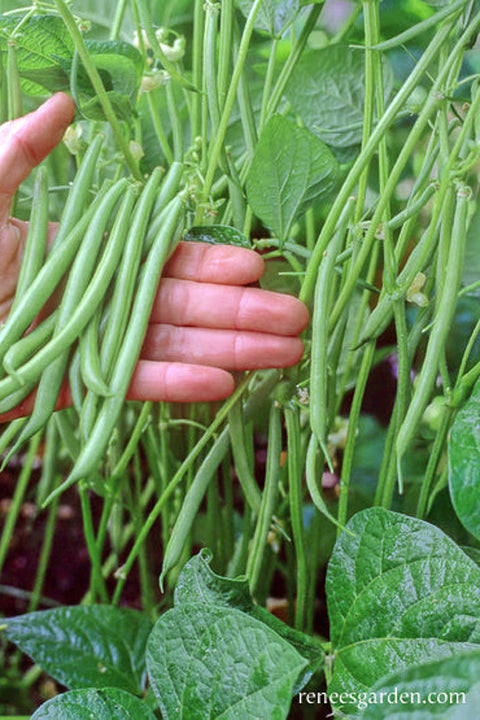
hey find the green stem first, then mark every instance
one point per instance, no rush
(118, 19)
(98, 86)
(47, 542)
(292, 60)
(435, 455)
(217, 147)
(97, 583)
(174, 482)
(269, 499)
(197, 67)
(18, 497)
(353, 419)
(381, 128)
(295, 494)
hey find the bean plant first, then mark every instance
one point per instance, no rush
(341, 141)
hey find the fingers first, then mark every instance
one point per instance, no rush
(155, 382)
(178, 382)
(183, 302)
(224, 264)
(27, 141)
(227, 349)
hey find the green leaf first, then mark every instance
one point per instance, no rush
(121, 104)
(327, 90)
(42, 39)
(291, 169)
(91, 646)
(44, 57)
(400, 593)
(464, 463)
(274, 16)
(448, 689)
(122, 62)
(103, 704)
(217, 235)
(206, 661)
(198, 583)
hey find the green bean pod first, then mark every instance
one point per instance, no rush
(10, 431)
(75, 381)
(12, 399)
(24, 348)
(168, 190)
(295, 464)
(380, 318)
(120, 305)
(36, 295)
(15, 109)
(311, 478)
(78, 196)
(445, 311)
(242, 465)
(202, 479)
(67, 433)
(269, 497)
(90, 359)
(52, 377)
(96, 445)
(320, 322)
(81, 298)
(36, 241)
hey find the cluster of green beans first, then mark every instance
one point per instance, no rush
(106, 261)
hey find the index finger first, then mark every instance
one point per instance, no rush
(25, 142)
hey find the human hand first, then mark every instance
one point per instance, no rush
(204, 323)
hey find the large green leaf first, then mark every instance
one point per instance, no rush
(400, 593)
(85, 646)
(327, 90)
(447, 689)
(464, 463)
(44, 58)
(206, 661)
(199, 584)
(104, 704)
(291, 169)
(41, 43)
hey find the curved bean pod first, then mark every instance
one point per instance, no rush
(95, 447)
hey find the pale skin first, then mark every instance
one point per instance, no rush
(204, 324)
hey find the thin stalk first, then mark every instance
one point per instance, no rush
(292, 60)
(174, 482)
(197, 67)
(157, 124)
(268, 84)
(175, 123)
(118, 19)
(97, 583)
(216, 148)
(295, 495)
(269, 499)
(98, 86)
(435, 456)
(381, 128)
(18, 498)
(353, 419)
(225, 43)
(47, 542)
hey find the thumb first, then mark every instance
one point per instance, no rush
(25, 142)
